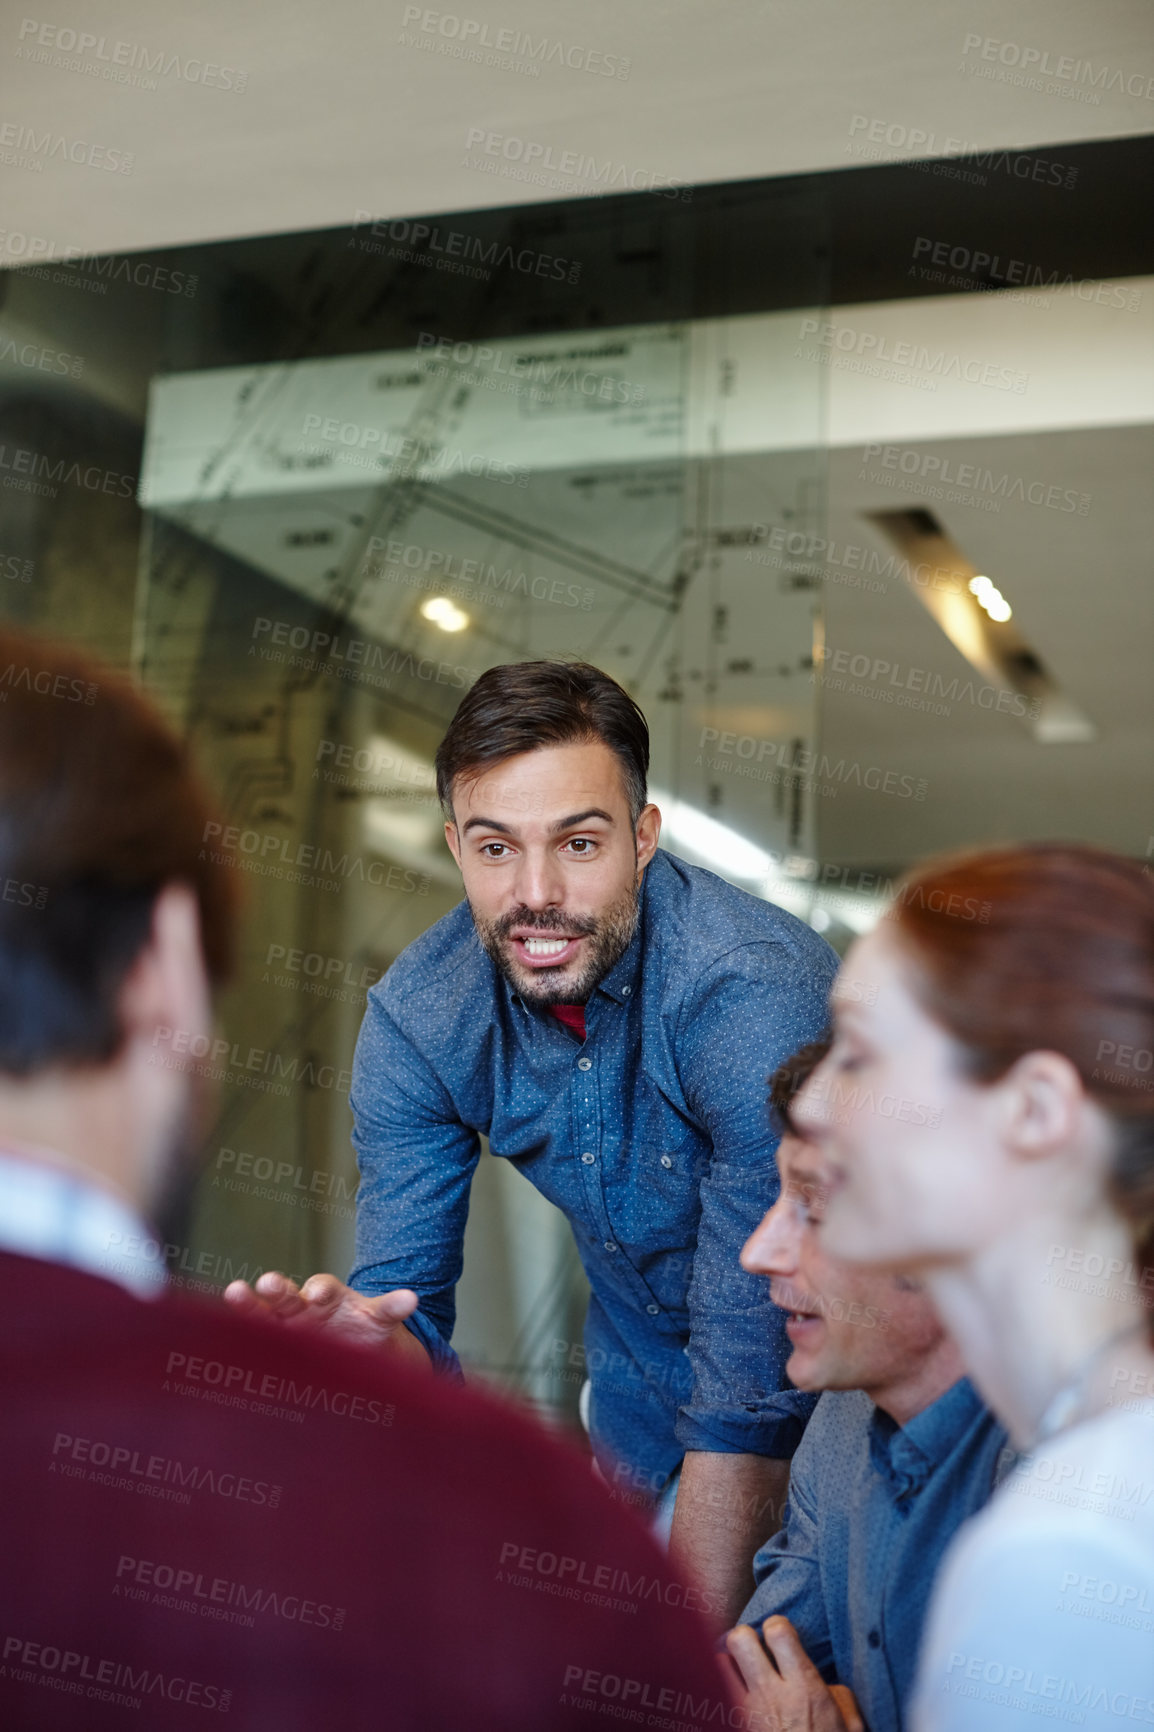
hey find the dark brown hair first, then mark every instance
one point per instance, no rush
(789, 1079)
(1048, 947)
(520, 706)
(100, 809)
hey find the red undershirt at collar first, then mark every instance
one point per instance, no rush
(572, 1015)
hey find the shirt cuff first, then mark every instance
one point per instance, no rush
(444, 1361)
(772, 1428)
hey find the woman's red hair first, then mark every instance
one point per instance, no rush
(1048, 947)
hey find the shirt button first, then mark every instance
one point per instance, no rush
(874, 1639)
(665, 1161)
(654, 1310)
(610, 1244)
(625, 991)
(589, 1159)
(584, 1064)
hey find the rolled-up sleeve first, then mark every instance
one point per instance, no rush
(754, 1009)
(416, 1162)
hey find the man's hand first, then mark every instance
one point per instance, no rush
(786, 1692)
(326, 1303)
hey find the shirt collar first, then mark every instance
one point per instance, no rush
(49, 1211)
(906, 1455)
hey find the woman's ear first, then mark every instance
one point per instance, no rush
(1044, 1104)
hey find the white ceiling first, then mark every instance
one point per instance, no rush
(339, 114)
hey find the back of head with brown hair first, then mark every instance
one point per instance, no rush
(100, 809)
(1047, 947)
(790, 1078)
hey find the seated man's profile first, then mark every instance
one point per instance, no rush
(899, 1452)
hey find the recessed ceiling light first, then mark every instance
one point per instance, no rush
(441, 611)
(991, 598)
(1004, 658)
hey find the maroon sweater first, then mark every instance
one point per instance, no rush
(231, 1524)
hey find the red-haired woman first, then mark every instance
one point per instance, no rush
(987, 1109)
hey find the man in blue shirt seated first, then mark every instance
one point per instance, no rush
(606, 1015)
(900, 1450)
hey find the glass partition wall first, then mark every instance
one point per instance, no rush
(372, 464)
(308, 487)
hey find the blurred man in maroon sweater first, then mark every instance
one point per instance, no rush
(204, 1515)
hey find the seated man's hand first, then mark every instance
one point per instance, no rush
(786, 1692)
(326, 1303)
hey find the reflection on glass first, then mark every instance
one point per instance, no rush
(337, 548)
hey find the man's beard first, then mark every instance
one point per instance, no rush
(609, 938)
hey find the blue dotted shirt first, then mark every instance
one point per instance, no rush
(872, 1508)
(653, 1137)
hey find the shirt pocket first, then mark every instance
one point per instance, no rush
(654, 1198)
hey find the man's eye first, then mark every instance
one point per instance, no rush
(493, 850)
(582, 845)
(812, 1205)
